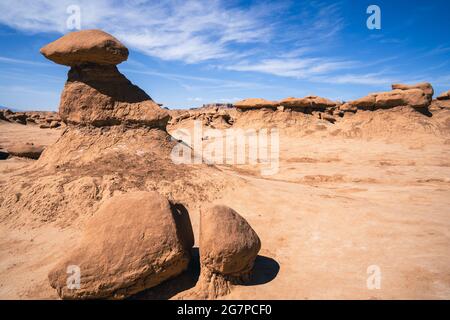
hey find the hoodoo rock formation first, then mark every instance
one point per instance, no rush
(424, 86)
(96, 93)
(115, 142)
(416, 96)
(132, 243)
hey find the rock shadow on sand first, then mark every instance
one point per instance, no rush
(265, 270)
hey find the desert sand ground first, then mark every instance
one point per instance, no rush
(337, 206)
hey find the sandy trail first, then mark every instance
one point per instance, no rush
(335, 208)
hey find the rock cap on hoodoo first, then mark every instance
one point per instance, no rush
(424, 86)
(255, 103)
(308, 101)
(86, 46)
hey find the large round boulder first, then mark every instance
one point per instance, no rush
(86, 46)
(133, 242)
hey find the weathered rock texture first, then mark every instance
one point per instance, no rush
(424, 86)
(416, 96)
(133, 242)
(313, 103)
(86, 46)
(101, 95)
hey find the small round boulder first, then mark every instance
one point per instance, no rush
(228, 244)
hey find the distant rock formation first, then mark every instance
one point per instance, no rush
(255, 103)
(45, 119)
(308, 103)
(424, 86)
(444, 95)
(416, 96)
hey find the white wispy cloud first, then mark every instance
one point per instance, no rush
(20, 61)
(190, 31)
(300, 68)
(257, 37)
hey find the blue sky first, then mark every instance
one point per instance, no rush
(186, 53)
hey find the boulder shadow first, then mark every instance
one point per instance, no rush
(265, 270)
(4, 155)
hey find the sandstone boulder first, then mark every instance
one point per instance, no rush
(228, 249)
(86, 46)
(228, 244)
(424, 86)
(444, 95)
(26, 150)
(254, 103)
(133, 242)
(416, 98)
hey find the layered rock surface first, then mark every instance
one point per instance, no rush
(100, 95)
